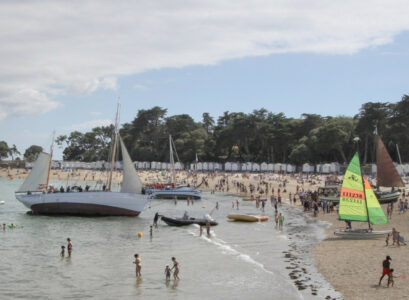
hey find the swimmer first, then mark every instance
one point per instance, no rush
(62, 251)
(167, 272)
(137, 262)
(69, 247)
(176, 267)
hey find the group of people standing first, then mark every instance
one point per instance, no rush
(168, 270)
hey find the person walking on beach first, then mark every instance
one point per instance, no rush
(138, 262)
(208, 228)
(155, 219)
(386, 266)
(69, 247)
(176, 267)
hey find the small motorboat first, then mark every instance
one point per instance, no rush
(186, 220)
(361, 234)
(2, 202)
(247, 218)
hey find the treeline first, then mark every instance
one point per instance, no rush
(260, 136)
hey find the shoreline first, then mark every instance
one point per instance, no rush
(351, 267)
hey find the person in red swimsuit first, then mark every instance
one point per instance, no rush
(386, 264)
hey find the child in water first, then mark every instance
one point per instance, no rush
(62, 251)
(167, 272)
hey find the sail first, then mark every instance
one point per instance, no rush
(37, 179)
(376, 214)
(386, 172)
(352, 205)
(130, 182)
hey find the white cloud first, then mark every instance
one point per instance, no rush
(87, 125)
(72, 47)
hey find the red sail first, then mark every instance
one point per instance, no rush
(386, 172)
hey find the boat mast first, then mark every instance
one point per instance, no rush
(397, 149)
(116, 132)
(171, 160)
(50, 163)
(366, 202)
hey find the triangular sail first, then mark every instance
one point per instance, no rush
(352, 205)
(37, 179)
(386, 174)
(376, 214)
(130, 182)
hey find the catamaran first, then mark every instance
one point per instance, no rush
(172, 190)
(35, 193)
(358, 203)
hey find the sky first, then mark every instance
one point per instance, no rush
(64, 64)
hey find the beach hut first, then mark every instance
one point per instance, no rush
(243, 167)
(290, 168)
(249, 166)
(325, 168)
(318, 168)
(218, 167)
(205, 166)
(277, 167)
(227, 166)
(263, 167)
(255, 167)
(211, 166)
(270, 167)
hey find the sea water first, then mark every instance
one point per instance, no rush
(238, 261)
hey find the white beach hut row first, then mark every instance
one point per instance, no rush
(206, 166)
(255, 167)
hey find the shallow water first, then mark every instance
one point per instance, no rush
(239, 261)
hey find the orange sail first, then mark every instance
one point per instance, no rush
(386, 172)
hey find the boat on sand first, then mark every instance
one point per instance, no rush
(358, 203)
(247, 218)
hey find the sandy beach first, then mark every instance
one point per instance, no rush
(353, 267)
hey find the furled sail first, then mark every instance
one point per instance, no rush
(131, 182)
(376, 214)
(352, 205)
(37, 178)
(386, 172)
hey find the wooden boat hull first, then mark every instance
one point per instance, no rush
(186, 222)
(247, 218)
(361, 234)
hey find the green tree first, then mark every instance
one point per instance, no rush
(4, 150)
(32, 152)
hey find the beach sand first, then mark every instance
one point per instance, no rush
(353, 267)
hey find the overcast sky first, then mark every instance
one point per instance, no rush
(63, 64)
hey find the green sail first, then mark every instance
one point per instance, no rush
(375, 211)
(352, 205)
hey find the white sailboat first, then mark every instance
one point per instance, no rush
(173, 191)
(34, 192)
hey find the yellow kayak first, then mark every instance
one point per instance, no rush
(247, 218)
(254, 199)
